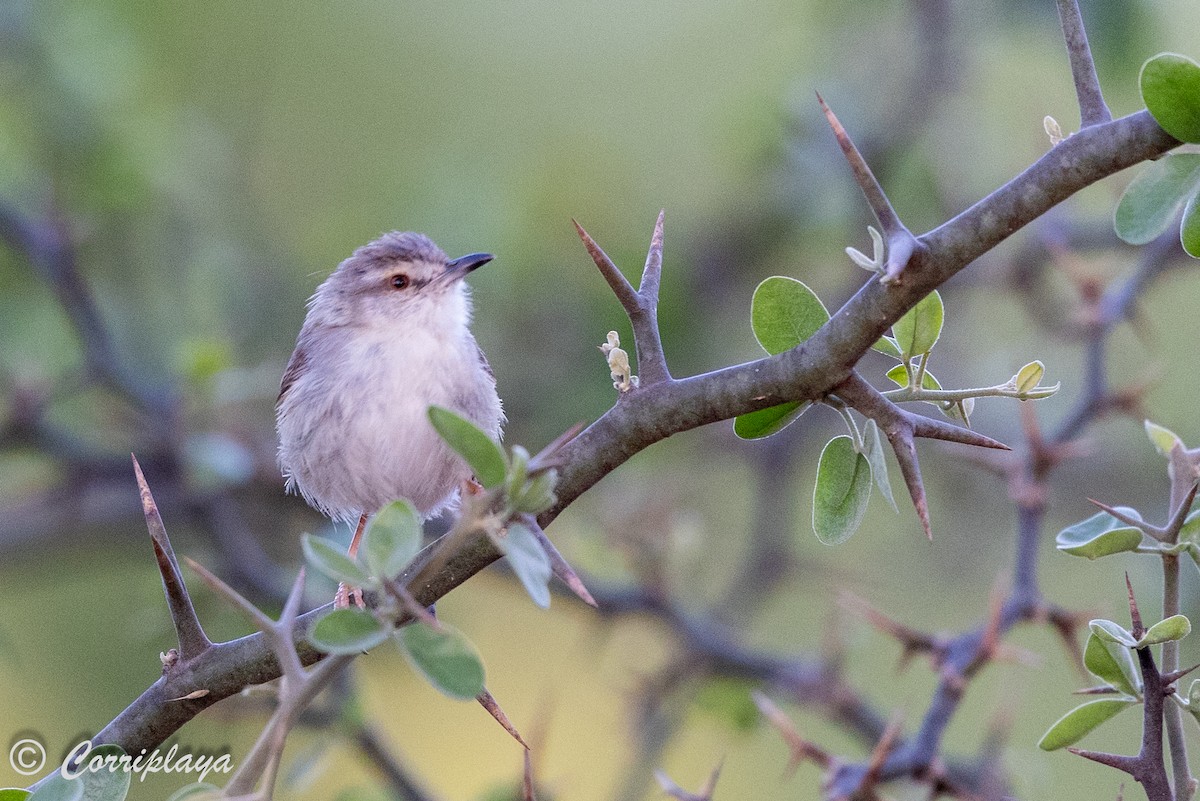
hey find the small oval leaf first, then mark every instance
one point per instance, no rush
(1028, 377)
(1191, 527)
(56, 788)
(888, 347)
(445, 658)
(1112, 664)
(1152, 200)
(348, 631)
(1079, 540)
(768, 421)
(327, 558)
(1072, 726)
(1176, 627)
(842, 490)
(1170, 86)
(529, 561)
(784, 312)
(392, 539)
(918, 330)
(477, 449)
(1164, 439)
(1111, 632)
(875, 452)
(1189, 228)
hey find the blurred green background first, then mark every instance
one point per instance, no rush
(213, 161)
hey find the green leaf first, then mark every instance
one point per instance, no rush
(1112, 664)
(1176, 627)
(1164, 439)
(900, 375)
(1111, 632)
(330, 560)
(538, 494)
(888, 347)
(875, 452)
(918, 330)
(105, 785)
(201, 791)
(57, 788)
(445, 658)
(1072, 726)
(842, 491)
(1191, 527)
(784, 312)
(392, 539)
(470, 442)
(1096, 537)
(14, 794)
(1100, 535)
(1171, 90)
(529, 561)
(1189, 229)
(1153, 199)
(348, 631)
(768, 421)
(1028, 377)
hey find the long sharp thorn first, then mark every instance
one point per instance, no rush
(910, 469)
(1127, 764)
(1177, 520)
(1135, 616)
(928, 428)
(192, 639)
(559, 564)
(616, 279)
(1176, 675)
(489, 703)
(652, 274)
(862, 175)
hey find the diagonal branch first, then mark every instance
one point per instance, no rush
(641, 305)
(192, 639)
(1092, 108)
(655, 412)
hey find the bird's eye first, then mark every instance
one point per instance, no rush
(399, 281)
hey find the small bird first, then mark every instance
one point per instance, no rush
(386, 336)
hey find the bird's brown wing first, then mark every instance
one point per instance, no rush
(295, 368)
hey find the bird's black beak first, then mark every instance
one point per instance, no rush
(464, 264)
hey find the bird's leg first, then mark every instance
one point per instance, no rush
(346, 594)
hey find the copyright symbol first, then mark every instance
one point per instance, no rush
(27, 756)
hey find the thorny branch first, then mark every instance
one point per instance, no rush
(664, 406)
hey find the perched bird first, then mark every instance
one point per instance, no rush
(386, 335)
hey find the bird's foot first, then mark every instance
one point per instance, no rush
(347, 594)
